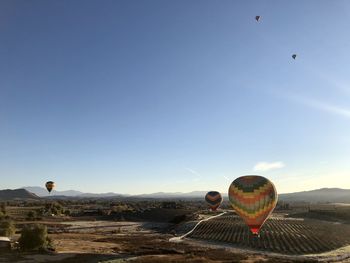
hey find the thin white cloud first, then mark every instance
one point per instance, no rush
(334, 81)
(323, 106)
(265, 166)
(193, 172)
(341, 86)
(315, 104)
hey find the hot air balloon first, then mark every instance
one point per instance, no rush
(294, 56)
(49, 186)
(253, 197)
(214, 199)
(257, 18)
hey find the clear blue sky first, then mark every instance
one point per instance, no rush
(147, 96)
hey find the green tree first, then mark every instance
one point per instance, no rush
(54, 208)
(34, 237)
(3, 208)
(40, 212)
(7, 228)
(31, 215)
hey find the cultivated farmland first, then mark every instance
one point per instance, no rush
(281, 235)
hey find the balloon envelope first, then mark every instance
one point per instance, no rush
(294, 56)
(257, 18)
(49, 186)
(253, 197)
(213, 199)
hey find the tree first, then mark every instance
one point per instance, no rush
(7, 228)
(31, 215)
(34, 237)
(40, 212)
(54, 208)
(3, 208)
(67, 212)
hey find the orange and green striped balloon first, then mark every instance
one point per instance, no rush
(253, 197)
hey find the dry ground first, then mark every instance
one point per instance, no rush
(108, 241)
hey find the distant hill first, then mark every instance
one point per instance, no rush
(193, 194)
(324, 195)
(17, 194)
(41, 191)
(110, 194)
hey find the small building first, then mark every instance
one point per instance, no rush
(5, 244)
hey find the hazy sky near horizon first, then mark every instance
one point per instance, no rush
(148, 96)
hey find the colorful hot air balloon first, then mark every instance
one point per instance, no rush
(257, 18)
(253, 197)
(214, 199)
(49, 186)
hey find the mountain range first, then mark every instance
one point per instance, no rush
(42, 192)
(332, 195)
(22, 194)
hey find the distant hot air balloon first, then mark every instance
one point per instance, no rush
(214, 199)
(257, 18)
(49, 186)
(253, 197)
(294, 56)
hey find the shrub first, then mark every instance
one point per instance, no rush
(54, 208)
(34, 237)
(31, 215)
(7, 228)
(67, 212)
(40, 212)
(178, 219)
(3, 208)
